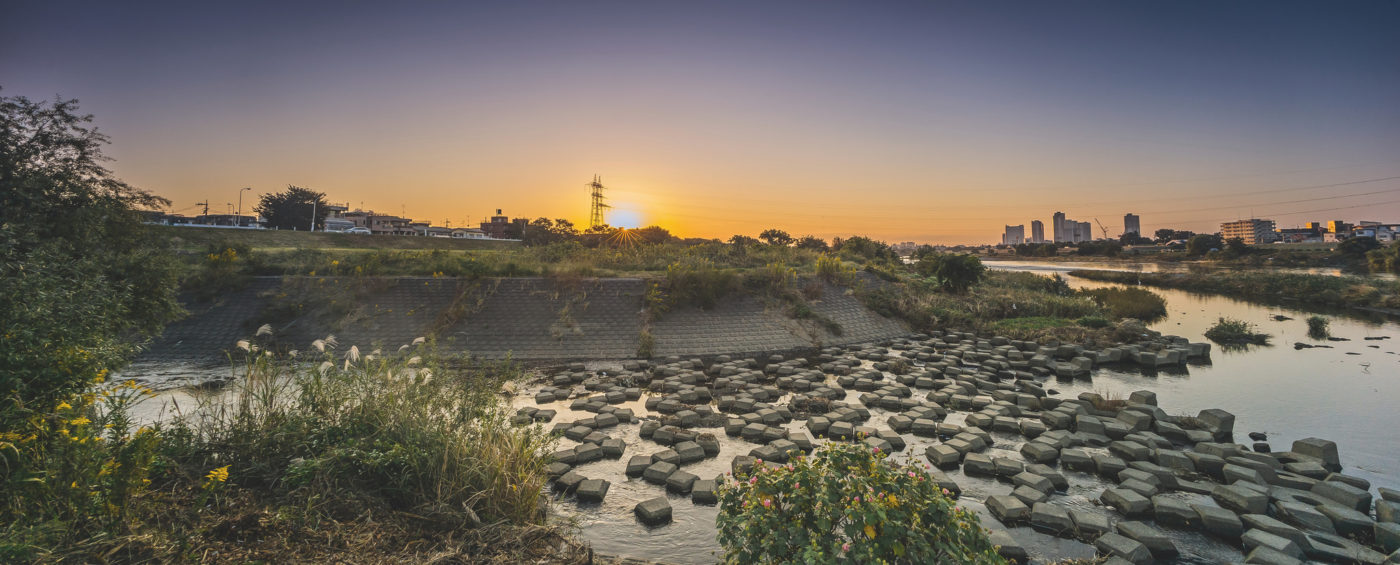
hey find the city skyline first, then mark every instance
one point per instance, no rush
(906, 122)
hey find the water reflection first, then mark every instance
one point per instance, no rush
(1347, 393)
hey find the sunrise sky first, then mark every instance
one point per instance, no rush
(925, 121)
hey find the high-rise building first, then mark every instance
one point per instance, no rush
(1058, 224)
(1338, 226)
(1315, 226)
(1037, 231)
(1131, 224)
(1252, 231)
(1083, 231)
(1014, 235)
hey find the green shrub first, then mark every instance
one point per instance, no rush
(699, 283)
(359, 431)
(1318, 327)
(846, 504)
(832, 270)
(73, 473)
(1232, 332)
(1130, 302)
(952, 272)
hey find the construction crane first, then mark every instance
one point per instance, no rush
(1101, 228)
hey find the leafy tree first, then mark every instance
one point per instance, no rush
(1099, 248)
(543, 231)
(1133, 238)
(953, 272)
(1036, 250)
(742, 241)
(1236, 247)
(292, 209)
(1385, 259)
(1200, 244)
(653, 234)
(1357, 246)
(776, 237)
(862, 247)
(812, 242)
(1167, 234)
(79, 275)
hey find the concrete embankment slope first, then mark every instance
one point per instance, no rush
(537, 319)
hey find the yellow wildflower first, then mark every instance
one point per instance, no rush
(80, 421)
(893, 501)
(64, 406)
(870, 531)
(218, 475)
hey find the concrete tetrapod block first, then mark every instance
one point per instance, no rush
(653, 512)
(1052, 519)
(1275, 527)
(1008, 547)
(1219, 522)
(1008, 509)
(1038, 452)
(1388, 536)
(1034, 481)
(1157, 542)
(1240, 499)
(592, 490)
(1260, 538)
(681, 481)
(1119, 546)
(689, 451)
(942, 456)
(658, 472)
(1126, 502)
(1337, 549)
(1174, 512)
(1089, 525)
(569, 481)
(978, 465)
(637, 465)
(1346, 521)
(1321, 449)
(704, 491)
(1029, 495)
(1344, 494)
(1267, 556)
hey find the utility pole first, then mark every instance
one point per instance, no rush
(595, 213)
(313, 215)
(205, 204)
(239, 220)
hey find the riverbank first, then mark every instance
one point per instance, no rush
(1371, 294)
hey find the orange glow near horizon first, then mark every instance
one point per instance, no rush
(927, 122)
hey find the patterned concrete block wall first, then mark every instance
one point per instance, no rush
(536, 318)
(525, 318)
(858, 323)
(737, 324)
(212, 328)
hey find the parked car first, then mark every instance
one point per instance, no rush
(358, 231)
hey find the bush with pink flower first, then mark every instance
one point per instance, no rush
(846, 503)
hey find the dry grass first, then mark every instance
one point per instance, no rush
(1111, 400)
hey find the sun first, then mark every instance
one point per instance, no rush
(627, 217)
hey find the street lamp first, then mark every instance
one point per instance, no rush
(239, 220)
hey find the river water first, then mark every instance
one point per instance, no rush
(1349, 394)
